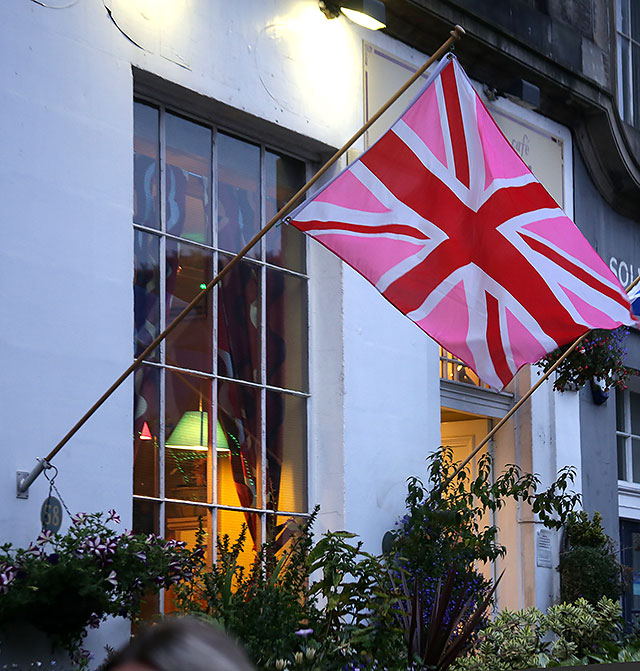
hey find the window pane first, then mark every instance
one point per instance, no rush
(622, 458)
(624, 78)
(286, 452)
(635, 85)
(634, 12)
(188, 444)
(634, 405)
(145, 166)
(238, 194)
(239, 322)
(622, 15)
(281, 531)
(146, 292)
(286, 331)
(146, 517)
(182, 523)
(188, 271)
(146, 426)
(146, 520)
(230, 524)
(285, 245)
(635, 460)
(188, 179)
(239, 469)
(620, 411)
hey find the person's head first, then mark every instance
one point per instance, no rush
(180, 644)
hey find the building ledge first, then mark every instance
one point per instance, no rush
(475, 400)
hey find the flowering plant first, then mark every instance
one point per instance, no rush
(65, 583)
(600, 356)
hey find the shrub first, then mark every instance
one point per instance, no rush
(589, 568)
(583, 633)
(444, 524)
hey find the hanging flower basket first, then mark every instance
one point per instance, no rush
(599, 358)
(63, 584)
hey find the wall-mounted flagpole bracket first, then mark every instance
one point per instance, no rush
(24, 479)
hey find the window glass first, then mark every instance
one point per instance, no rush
(239, 328)
(635, 459)
(622, 458)
(238, 194)
(286, 331)
(188, 440)
(284, 244)
(146, 289)
(146, 211)
(239, 469)
(188, 270)
(188, 180)
(634, 403)
(635, 85)
(286, 456)
(146, 431)
(620, 410)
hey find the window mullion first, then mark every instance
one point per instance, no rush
(263, 351)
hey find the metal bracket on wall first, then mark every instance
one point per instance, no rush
(20, 476)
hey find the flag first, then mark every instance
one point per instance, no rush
(634, 298)
(443, 217)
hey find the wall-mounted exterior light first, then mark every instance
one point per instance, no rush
(368, 13)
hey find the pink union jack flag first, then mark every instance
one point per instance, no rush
(443, 217)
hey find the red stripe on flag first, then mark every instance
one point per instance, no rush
(456, 127)
(575, 270)
(494, 340)
(398, 229)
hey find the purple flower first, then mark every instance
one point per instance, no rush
(94, 621)
(44, 537)
(33, 550)
(95, 546)
(113, 516)
(141, 556)
(6, 578)
(79, 518)
(303, 632)
(112, 579)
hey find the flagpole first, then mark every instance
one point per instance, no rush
(24, 481)
(519, 404)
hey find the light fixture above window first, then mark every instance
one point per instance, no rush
(368, 13)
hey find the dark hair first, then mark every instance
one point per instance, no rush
(181, 644)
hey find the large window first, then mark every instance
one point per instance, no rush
(628, 435)
(628, 45)
(220, 413)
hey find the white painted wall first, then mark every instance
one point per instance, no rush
(66, 250)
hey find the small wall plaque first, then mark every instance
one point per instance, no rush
(543, 549)
(51, 514)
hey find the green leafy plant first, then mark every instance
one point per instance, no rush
(64, 584)
(567, 634)
(263, 605)
(600, 356)
(589, 568)
(446, 522)
(356, 619)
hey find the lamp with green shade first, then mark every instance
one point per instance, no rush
(191, 433)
